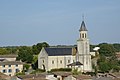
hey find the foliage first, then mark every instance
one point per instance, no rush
(105, 66)
(75, 71)
(89, 73)
(37, 48)
(116, 69)
(61, 69)
(26, 67)
(108, 60)
(15, 49)
(92, 47)
(25, 54)
(96, 70)
(106, 49)
(3, 51)
(20, 73)
(38, 71)
(117, 47)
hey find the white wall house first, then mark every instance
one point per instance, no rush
(9, 65)
(50, 58)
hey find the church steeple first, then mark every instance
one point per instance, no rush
(83, 31)
(83, 48)
(83, 27)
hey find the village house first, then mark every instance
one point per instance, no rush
(9, 65)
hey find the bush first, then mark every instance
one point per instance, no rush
(26, 67)
(61, 69)
(38, 71)
(90, 73)
(20, 73)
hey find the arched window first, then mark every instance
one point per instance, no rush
(85, 35)
(82, 35)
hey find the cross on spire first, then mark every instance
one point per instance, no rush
(82, 17)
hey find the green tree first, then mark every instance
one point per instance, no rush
(117, 47)
(26, 67)
(25, 54)
(105, 66)
(37, 48)
(107, 49)
(3, 51)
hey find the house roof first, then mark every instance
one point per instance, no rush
(4, 76)
(81, 77)
(63, 74)
(10, 62)
(75, 64)
(8, 56)
(58, 51)
(32, 76)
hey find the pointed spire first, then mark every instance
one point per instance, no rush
(83, 27)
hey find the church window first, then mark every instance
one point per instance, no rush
(52, 62)
(43, 61)
(68, 61)
(85, 35)
(73, 60)
(82, 35)
(61, 61)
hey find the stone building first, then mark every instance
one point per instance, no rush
(79, 57)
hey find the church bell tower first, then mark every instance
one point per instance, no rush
(83, 48)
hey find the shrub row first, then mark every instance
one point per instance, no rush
(61, 69)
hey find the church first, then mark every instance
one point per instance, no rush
(64, 57)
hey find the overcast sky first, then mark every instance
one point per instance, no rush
(27, 22)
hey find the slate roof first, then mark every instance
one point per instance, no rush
(63, 74)
(8, 56)
(75, 64)
(83, 27)
(31, 76)
(10, 63)
(58, 51)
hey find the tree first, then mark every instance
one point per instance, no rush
(37, 48)
(26, 67)
(25, 54)
(107, 49)
(3, 51)
(104, 66)
(117, 47)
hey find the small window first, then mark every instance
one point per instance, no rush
(17, 70)
(85, 36)
(73, 60)
(61, 61)
(82, 35)
(43, 61)
(9, 65)
(52, 62)
(9, 70)
(68, 61)
(3, 65)
(4, 71)
(16, 65)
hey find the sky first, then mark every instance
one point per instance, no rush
(57, 22)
